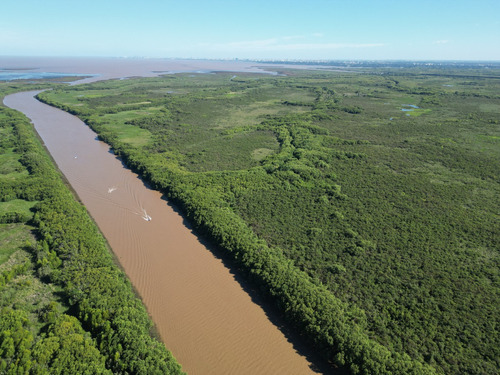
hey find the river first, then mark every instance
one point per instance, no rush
(202, 313)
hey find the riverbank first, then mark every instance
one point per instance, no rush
(202, 314)
(66, 308)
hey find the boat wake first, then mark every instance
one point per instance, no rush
(145, 215)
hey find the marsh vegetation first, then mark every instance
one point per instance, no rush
(375, 234)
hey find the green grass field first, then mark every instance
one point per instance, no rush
(12, 238)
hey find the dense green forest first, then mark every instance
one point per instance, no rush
(364, 204)
(65, 307)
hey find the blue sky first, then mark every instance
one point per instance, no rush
(272, 29)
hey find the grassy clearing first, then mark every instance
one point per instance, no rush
(30, 295)
(252, 114)
(233, 152)
(10, 167)
(486, 107)
(126, 115)
(18, 205)
(129, 134)
(418, 112)
(260, 153)
(12, 238)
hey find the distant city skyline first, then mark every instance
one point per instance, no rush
(260, 30)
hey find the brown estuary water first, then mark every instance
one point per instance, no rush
(203, 315)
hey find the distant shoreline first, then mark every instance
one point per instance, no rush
(116, 68)
(104, 68)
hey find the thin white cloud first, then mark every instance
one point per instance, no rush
(292, 37)
(327, 46)
(281, 44)
(252, 44)
(441, 41)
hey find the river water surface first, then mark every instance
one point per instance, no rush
(202, 313)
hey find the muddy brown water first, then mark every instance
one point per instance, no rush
(103, 68)
(203, 315)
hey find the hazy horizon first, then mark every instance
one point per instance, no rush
(297, 60)
(271, 30)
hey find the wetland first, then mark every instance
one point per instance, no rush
(376, 240)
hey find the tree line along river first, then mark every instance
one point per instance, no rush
(202, 313)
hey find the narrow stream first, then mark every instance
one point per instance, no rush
(202, 313)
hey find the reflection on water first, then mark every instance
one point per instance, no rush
(12, 75)
(412, 107)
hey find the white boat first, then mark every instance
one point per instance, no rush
(145, 215)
